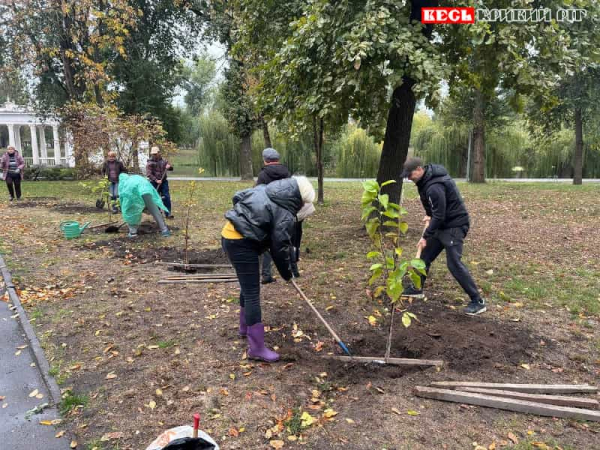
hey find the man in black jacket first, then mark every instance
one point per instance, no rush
(448, 225)
(273, 170)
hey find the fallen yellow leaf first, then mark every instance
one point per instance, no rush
(276, 444)
(46, 422)
(73, 444)
(410, 412)
(60, 434)
(159, 392)
(372, 320)
(111, 376)
(34, 393)
(329, 413)
(307, 420)
(526, 366)
(152, 404)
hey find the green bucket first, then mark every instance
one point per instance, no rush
(71, 228)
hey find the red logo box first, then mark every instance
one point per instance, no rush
(448, 15)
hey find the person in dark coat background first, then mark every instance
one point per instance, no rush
(13, 165)
(262, 218)
(448, 225)
(273, 170)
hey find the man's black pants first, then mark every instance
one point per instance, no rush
(451, 240)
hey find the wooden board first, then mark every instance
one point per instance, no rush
(192, 265)
(529, 388)
(220, 280)
(508, 404)
(381, 360)
(560, 400)
(201, 277)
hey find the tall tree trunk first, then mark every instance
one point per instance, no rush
(400, 118)
(578, 157)
(397, 137)
(266, 135)
(318, 145)
(478, 173)
(246, 158)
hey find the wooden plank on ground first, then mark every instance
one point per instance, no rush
(529, 388)
(201, 277)
(165, 263)
(394, 361)
(560, 400)
(218, 280)
(507, 404)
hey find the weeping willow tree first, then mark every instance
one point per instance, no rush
(511, 151)
(552, 156)
(218, 150)
(445, 145)
(297, 154)
(357, 154)
(506, 150)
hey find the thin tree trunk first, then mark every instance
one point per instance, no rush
(246, 158)
(397, 138)
(318, 129)
(478, 173)
(266, 135)
(135, 161)
(578, 157)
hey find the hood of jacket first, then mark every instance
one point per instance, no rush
(432, 171)
(275, 172)
(286, 194)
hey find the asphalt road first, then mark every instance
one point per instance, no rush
(18, 379)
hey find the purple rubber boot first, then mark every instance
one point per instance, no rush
(256, 344)
(243, 332)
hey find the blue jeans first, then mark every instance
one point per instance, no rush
(244, 257)
(163, 190)
(113, 190)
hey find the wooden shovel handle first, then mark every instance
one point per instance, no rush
(420, 248)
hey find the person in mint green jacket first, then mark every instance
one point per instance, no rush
(136, 194)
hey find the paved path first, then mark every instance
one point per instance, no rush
(359, 180)
(20, 376)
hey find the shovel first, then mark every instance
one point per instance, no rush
(113, 228)
(333, 333)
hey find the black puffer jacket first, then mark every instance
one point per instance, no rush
(272, 172)
(441, 199)
(266, 214)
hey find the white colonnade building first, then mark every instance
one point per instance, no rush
(30, 135)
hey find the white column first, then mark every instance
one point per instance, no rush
(56, 145)
(43, 146)
(34, 145)
(19, 144)
(11, 135)
(69, 149)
